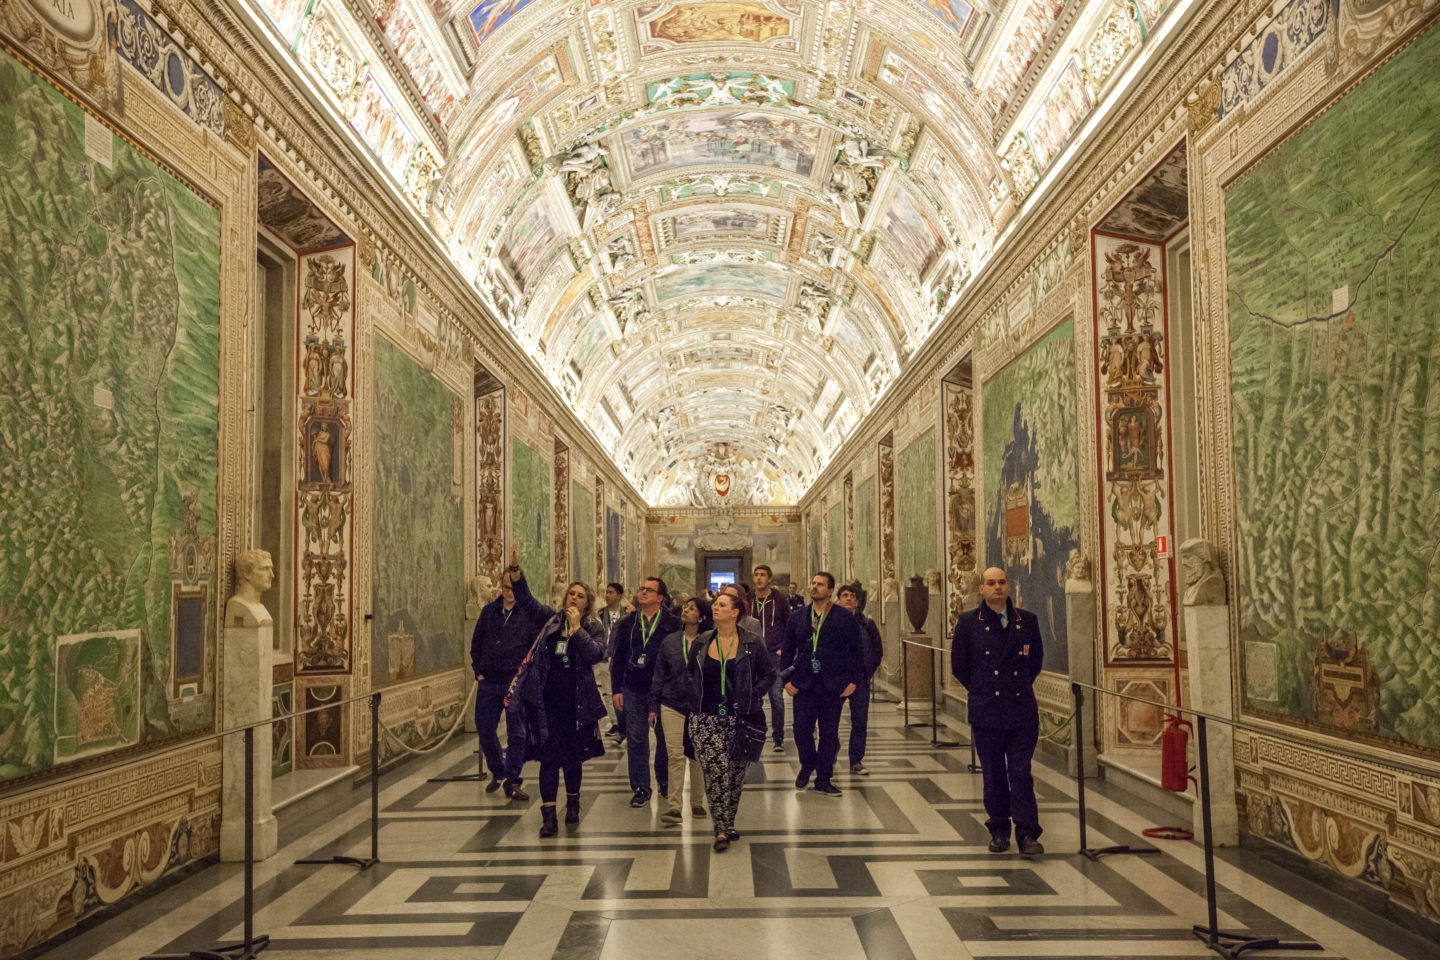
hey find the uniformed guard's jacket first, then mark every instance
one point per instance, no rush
(998, 666)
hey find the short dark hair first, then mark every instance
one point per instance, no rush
(849, 588)
(765, 567)
(663, 590)
(829, 577)
(617, 587)
(706, 610)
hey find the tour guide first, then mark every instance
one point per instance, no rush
(996, 655)
(503, 635)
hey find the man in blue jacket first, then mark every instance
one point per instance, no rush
(823, 655)
(996, 654)
(637, 645)
(507, 627)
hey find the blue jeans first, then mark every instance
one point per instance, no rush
(489, 704)
(777, 711)
(1005, 757)
(637, 735)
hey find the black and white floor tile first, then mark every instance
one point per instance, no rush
(897, 868)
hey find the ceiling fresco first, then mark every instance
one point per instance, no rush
(720, 228)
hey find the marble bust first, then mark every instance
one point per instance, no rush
(1200, 565)
(1077, 567)
(254, 572)
(480, 591)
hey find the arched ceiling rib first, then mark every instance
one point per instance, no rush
(720, 227)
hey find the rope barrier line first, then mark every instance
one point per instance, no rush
(457, 725)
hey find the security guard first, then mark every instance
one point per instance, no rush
(996, 654)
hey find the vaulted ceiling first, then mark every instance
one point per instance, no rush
(720, 227)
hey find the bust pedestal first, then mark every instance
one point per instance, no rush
(919, 666)
(1080, 642)
(1207, 635)
(247, 684)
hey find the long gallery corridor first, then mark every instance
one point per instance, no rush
(895, 869)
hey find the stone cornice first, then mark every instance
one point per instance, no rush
(367, 22)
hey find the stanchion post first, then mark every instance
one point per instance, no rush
(905, 677)
(1079, 693)
(249, 842)
(935, 740)
(375, 776)
(1210, 907)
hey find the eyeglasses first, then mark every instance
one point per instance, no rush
(648, 590)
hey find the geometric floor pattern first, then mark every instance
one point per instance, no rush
(895, 869)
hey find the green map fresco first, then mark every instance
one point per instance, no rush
(867, 541)
(419, 558)
(582, 535)
(1030, 439)
(109, 385)
(530, 508)
(917, 547)
(835, 519)
(1333, 246)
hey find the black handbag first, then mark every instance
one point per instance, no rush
(749, 738)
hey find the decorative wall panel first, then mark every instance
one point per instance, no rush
(1029, 480)
(560, 558)
(490, 481)
(418, 548)
(1137, 585)
(960, 546)
(582, 533)
(835, 521)
(110, 425)
(916, 504)
(325, 495)
(867, 539)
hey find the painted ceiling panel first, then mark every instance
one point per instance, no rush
(719, 227)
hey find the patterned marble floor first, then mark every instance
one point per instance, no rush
(896, 868)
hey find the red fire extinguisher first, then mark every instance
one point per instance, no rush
(1174, 758)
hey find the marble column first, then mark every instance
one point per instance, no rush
(1207, 637)
(1080, 641)
(246, 644)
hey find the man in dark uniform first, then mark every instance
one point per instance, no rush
(996, 654)
(637, 644)
(503, 635)
(823, 654)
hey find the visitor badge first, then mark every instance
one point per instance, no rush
(720, 712)
(814, 665)
(562, 646)
(640, 660)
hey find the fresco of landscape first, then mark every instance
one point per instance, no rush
(109, 426)
(1333, 250)
(530, 521)
(867, 542)
(1030, 483)
(419, 592)
(917, 531)
(582, 534)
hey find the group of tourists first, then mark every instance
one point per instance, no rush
(697, 679)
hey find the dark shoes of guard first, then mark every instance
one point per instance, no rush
(999, 842)
(1031, 847)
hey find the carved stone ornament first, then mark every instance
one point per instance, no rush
(1200, 564)
(239, 128)
(1203, 107)
(254, 573)
(70, 39)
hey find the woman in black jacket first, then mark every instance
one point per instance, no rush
(730, 674)
(670, 707)
(556, 703)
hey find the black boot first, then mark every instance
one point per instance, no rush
(548, 827)
(572, 808)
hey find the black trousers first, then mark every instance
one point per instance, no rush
(1005, 757)
(489, 704)
(859, 721)
(812, 708)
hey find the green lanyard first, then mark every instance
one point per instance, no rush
(685, 647)
(725, 655)
(646, 634)
(760, 606)
(815, 624)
